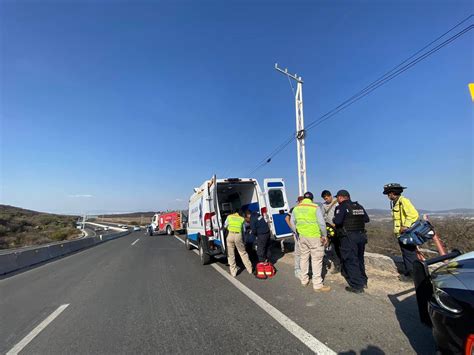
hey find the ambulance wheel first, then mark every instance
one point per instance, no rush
(187, 244)
(205, 257)
(169, 231)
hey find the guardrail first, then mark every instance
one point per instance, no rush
(19, 259)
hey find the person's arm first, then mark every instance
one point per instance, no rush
(253, 225)
(293, 223)
(321, 222)
(288, 220)
(366, 216)
(338, 216)
(226, 223)
(411, 214)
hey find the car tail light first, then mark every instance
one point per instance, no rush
(208, 224)
(469, 350)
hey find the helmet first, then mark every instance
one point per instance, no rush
(393, 187)
(308, 195)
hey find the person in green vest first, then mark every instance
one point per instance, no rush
(404, 214)
(308, 222)
(235, 226)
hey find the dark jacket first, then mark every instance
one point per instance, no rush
(258, 225)
(343, 210)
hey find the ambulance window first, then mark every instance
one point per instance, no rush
(276, 198)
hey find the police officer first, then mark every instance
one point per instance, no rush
(404, 214)
(235, 225)
(350, 218)
(259, 229)
(311, 229)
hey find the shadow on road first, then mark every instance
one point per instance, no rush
(370, 350)
(406, 310)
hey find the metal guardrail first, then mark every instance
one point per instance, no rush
(18, 259)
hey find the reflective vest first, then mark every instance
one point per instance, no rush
(404, 214)
(235, 223)
(306, 219)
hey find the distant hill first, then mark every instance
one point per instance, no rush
(454, 212)
(21, 227)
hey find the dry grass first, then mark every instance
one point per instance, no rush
(20, 227)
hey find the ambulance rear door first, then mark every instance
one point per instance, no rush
(277, 207)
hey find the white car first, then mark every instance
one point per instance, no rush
(136, 229)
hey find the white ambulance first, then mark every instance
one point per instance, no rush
(215, 199)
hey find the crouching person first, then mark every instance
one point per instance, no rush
(311, 228)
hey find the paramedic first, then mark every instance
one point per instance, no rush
(308, 221)
(350, 219)
(235, 225)
(404, 214)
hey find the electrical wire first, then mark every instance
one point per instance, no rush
(388, 76)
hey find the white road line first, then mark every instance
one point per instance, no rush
(306, 338)
(26, 340)
(135, 241)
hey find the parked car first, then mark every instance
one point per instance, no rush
(136, 229)
(446, 301)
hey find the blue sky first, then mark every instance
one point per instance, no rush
(124, 106)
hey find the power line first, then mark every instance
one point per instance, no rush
(386, 79)
(388, 76)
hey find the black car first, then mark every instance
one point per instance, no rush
(446, 301)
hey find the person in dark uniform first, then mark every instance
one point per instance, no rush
(259, 229)
(350, 219)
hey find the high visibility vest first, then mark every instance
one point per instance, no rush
(235, 223)
(306, 219)
(404, 215)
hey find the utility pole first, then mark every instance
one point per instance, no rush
(300, 132)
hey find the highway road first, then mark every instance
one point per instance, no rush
(140, 294)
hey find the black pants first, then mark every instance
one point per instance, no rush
(409, 256)
(263, 247)
(352, 253)
(334, 251)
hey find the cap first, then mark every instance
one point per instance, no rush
(393, 187)
(343, 193)
(308, 195)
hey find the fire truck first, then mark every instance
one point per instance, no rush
(167, 222)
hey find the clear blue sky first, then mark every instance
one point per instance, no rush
(124, 106)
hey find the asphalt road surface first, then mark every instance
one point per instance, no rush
(140, 294)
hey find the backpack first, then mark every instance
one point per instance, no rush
(264, 270)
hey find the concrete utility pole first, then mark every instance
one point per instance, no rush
(300, 132)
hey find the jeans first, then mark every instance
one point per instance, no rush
(263, 247)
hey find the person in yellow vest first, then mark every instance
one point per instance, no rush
(235, 225)
(404, 214)
(308, 222)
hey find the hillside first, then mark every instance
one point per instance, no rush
(20, 227)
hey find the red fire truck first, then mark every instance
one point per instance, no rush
(167, 222)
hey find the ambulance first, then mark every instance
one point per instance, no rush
(215, 199)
